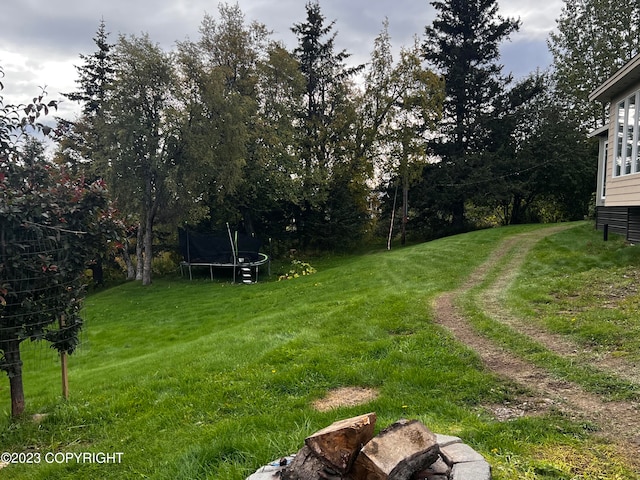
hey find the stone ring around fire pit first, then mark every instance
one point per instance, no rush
(406, 450)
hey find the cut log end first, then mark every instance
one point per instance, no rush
(401, 450)
(338, 445)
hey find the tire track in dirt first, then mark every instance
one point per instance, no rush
(493, 298)
(618, 421)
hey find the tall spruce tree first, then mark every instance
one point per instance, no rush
(95, 74)
(463, 45)
(325, 120)
(81, 145)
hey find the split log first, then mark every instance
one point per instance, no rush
(307, 466)
(338, 445)
(404, 448)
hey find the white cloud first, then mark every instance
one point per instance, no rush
(41, 42)
(538, 17)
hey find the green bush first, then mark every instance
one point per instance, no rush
(298, 268)
(165, 263)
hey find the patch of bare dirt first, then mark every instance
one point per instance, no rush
(617, 421)
(345, 397)
(523, 406)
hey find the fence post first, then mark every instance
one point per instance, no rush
(63, 365)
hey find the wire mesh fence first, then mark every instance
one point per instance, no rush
(40, 296)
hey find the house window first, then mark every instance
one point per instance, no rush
(626, 159)
(619, 139)
(630, 130)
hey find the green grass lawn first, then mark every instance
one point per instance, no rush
(578, 285)
(194, 379)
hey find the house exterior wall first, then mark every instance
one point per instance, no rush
(618, 182)
(622, 190)
(615, 218)
(624, 221)
(602, 171)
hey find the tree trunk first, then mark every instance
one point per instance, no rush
(338, 445)
(247, 220)
(131, 269)
(516, 211)
(14, 370)
(405, 208)
(305, 466)
(399, 451)
(458, 219)
(139, 252)
(148, 249)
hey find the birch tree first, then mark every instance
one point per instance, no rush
(141, 124)
(594, 38)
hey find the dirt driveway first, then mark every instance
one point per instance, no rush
(618, 421)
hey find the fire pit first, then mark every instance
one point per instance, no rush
(406, 450)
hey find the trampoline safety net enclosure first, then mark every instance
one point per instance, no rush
(239, 252)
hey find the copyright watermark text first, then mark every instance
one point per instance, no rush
(8, 458)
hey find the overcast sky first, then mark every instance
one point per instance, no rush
(40, 42)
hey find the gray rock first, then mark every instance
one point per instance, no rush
(439, 467)
(479, 470)
(460, 453)
(271, 471)
(438, 470)
(444, 440)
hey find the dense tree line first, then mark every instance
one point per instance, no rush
(295, 145)
(304, 148)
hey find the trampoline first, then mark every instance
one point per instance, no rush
(214, 250)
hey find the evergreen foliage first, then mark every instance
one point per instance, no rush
(95, 74)
(82, 143)
(325, 134)
(463, 44)
(296, 145)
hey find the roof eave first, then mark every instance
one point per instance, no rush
(620, 81)
(599, 132)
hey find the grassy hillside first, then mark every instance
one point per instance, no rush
(194, 379)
